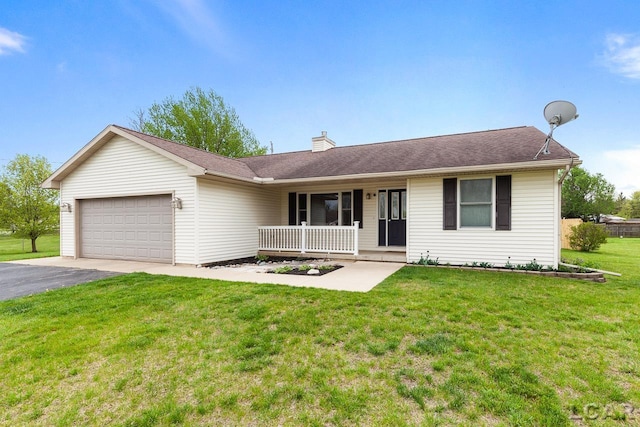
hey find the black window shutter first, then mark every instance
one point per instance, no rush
(292, 209)
(503, 202)
(357, 206)
(450, 210)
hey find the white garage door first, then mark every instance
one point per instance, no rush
(132, 228)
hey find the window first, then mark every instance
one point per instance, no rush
(395, 205)
(302, 208)
(324, 209)
(346, 209)
(476, 202)
(339, 208)
(382, 205)
(404, 204)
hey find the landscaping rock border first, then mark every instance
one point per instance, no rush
(591, 276)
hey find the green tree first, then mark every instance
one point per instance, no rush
(631, 207)
(620, 203)
(26, 209)
(586, 195)
(202, 120)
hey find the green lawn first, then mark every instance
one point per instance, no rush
(13, 249)
(426, 347)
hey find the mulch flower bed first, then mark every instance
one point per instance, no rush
(305, 271)
(280, 265)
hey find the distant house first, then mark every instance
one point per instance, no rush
(462, 198)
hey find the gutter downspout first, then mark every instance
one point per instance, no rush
(567, 168)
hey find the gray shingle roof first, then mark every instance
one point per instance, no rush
(492, 147)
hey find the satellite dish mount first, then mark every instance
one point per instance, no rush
(556, 113)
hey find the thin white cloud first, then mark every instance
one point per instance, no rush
(195, 18)
(622, 54)
(11, 41)
(620, 167)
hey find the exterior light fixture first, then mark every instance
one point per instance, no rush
(65, 207)
(368, 196)
(176, 203)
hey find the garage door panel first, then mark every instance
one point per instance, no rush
(135, 228)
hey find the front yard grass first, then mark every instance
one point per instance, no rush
(426, 347)
(12, 249)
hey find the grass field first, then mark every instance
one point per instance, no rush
(426, 347)
(12, 249)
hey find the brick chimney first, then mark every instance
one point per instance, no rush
(321, 143)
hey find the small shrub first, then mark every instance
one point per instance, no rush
(428, 261)
(304, 267)
(587, 237)
(533, 266)
(509, 265)
(262, 258)
(283, 270)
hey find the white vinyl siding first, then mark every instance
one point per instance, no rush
(533, 234)
(124, 168)
(229, 216)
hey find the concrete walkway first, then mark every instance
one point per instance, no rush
(355, 276)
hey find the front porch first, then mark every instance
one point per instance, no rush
(337, 242)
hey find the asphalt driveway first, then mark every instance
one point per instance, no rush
(17, 280)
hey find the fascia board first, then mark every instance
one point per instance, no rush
(84, 153)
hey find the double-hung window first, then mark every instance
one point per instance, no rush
(476, 202)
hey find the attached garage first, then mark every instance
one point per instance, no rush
(129, 228)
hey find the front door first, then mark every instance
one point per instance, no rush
(392, 217)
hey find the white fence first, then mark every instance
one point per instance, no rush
(309, 238)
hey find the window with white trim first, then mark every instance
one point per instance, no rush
(326, 208)
(476, 202)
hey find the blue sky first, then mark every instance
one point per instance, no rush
(364, 71)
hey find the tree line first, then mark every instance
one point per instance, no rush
(587, 196)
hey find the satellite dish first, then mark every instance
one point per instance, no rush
(556, 113)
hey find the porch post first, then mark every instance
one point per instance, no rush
(356, 227)
(303, 238)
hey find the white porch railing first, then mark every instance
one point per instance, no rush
(309, 238)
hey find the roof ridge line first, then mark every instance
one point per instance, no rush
(439, 136)
(338, 147)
